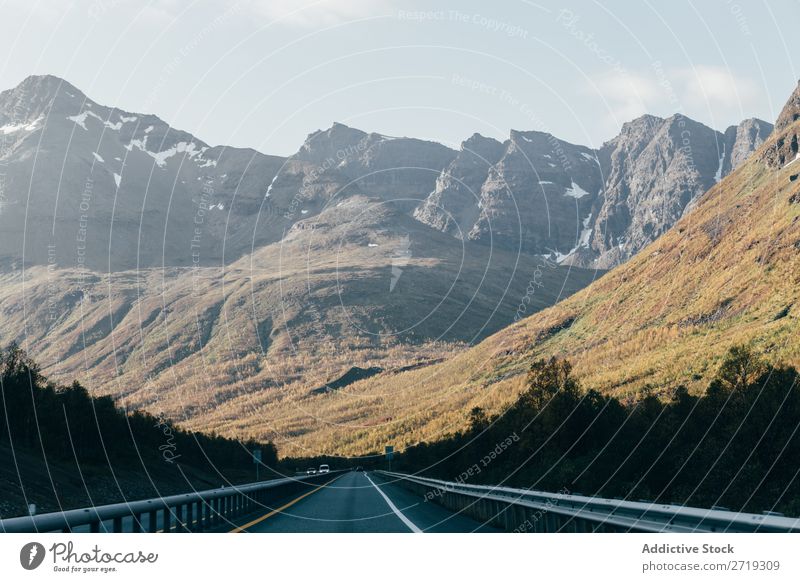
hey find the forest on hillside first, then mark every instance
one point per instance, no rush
(66, 423)
(735, 446)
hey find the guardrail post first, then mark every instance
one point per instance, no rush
(184, 520)
(168, 515)
(152, 525)
(194, 519)
(136, 526)
(117, 525)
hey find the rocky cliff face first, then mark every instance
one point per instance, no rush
(581, 206)
(342, 161)
(785, 149)
(656, 168)
(742, 140)
(538, 196)
(88, 185)
(454, 203)
(92, 186)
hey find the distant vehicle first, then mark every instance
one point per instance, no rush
(311, 471)
(324, 469)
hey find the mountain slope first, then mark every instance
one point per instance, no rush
(594, 208)
(92, 186)
(309, 266)
(362, 283)
(727, 273)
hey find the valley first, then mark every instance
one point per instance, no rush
(222, 287)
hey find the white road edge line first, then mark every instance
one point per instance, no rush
(393, 507)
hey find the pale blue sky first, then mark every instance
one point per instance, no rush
(265, 73)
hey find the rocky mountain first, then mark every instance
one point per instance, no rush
(532, 193)
(581, 206)
(361, 283)
(784, 149)
(742, 140)
(726, 274)
(194, 280)
(455, 199)
(342, 161)
(93, 186)
(96, 187)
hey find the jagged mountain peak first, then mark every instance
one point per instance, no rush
(532, 136)
(644, 124)
(742, 140)
(36, 97)
(47, 85)
(338, 131)
(642, 121)
(93, 162)
(484, 147)
(324, 143)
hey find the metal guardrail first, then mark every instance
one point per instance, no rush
(189, 512)
(525, 510)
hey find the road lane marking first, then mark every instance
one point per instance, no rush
(280, 509)
(393, 507)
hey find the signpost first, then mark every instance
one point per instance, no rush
(389, 452)
(257, 460)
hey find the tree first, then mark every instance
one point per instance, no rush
(740, 368)
(477, 419)
(545, 379)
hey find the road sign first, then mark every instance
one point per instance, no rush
(389, 450)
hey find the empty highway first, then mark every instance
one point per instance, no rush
(358, 502)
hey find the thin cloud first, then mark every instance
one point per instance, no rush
(711, 94)
(313, 13)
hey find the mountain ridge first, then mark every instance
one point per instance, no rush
(310, 264)
(725, 275)
(520, 195)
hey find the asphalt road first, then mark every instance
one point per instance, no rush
(358, 502)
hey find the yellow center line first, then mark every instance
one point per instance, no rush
(283, 507)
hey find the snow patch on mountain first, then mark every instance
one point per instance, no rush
(575, 191)
(81, 118)
(189, 149)
(269, 188)
(14, 128)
